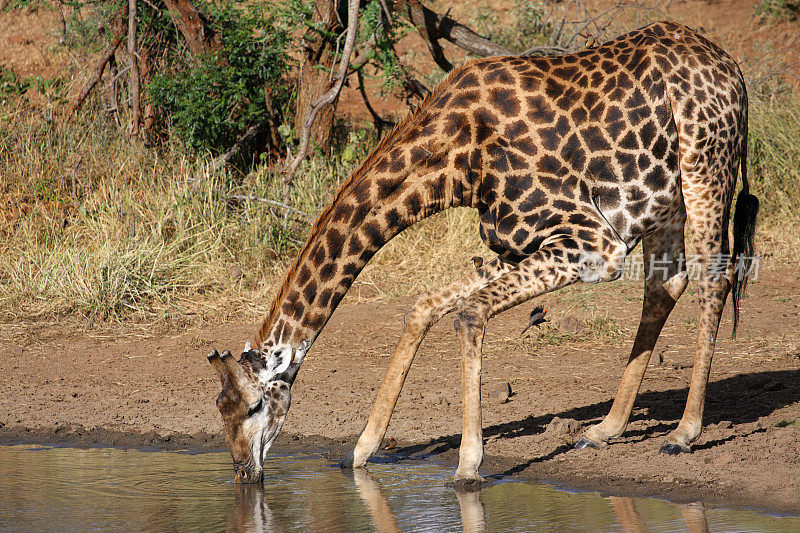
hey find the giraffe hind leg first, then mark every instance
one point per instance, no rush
(707, 213)
(426, 311)
(665, 281)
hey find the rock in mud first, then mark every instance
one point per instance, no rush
(564, 429)
(235, 273)
(501, 392)
(724, 424)
(570, 324)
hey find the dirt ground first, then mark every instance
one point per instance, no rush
(67, 382)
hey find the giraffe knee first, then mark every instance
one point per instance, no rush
(420, 316)
(594, 267)
(470, 317)
(676, 284)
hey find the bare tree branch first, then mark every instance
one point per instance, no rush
(443, 27)
(379, 121)
(326, 99)
(108, 53)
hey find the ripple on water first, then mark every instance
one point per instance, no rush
(108, 489)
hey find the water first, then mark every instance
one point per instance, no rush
(67, 489)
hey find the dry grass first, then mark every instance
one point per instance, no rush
(145, 233)
(774, 174)
(429, 255)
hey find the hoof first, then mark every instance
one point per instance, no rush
(674, 449)
(584, 443)
(468, 484)
(348, 460)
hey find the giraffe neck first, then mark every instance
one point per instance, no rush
(400, 183)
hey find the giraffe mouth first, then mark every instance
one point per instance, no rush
(248, 475)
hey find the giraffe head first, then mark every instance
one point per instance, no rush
(255, 397)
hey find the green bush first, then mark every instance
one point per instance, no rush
(778, 9)
(528, 26)
(211, 101)
(13, 88)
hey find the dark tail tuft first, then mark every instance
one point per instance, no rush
(744, 229)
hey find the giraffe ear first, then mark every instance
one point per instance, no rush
(279, 360)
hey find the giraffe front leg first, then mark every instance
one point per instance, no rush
(426, 311)
(553, 266)
(418, 321)
(471, 326)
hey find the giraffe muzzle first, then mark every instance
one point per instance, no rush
(243, 475)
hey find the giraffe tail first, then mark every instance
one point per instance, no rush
(744, 229)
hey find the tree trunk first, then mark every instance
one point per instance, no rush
(136, 110)
(317, 58)
(195, 29)
(145, 75)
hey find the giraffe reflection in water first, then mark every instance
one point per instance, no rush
(252, 513)
(693, 515)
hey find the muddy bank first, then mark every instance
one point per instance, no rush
(65, 384)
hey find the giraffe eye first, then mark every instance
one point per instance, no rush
(256, 407)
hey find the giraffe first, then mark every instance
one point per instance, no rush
(570, 161)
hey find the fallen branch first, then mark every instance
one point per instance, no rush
(253, 132)
(326, 99)
(285, 207)
(241, 143)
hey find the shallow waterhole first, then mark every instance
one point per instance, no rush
(108, 489)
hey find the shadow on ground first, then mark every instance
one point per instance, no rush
(739, 399)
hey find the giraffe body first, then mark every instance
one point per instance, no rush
(571, 161)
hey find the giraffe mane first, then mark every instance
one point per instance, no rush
(356, 177)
